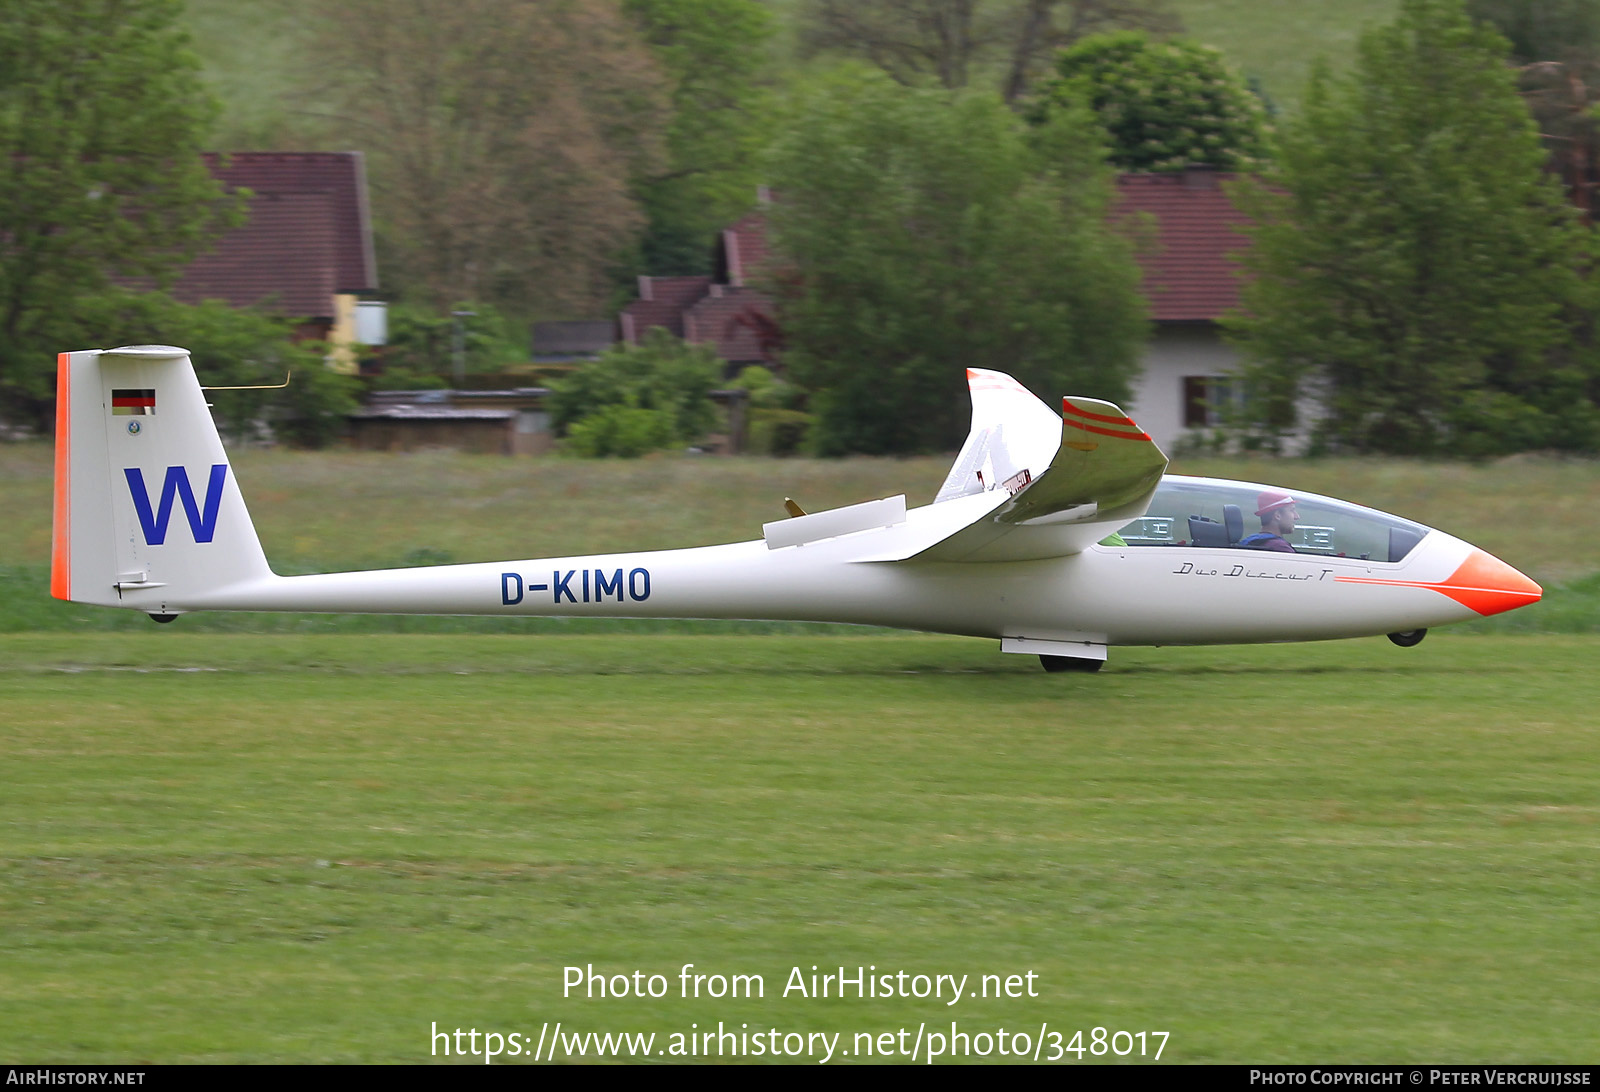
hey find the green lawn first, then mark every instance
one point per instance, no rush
(314, 841)
(287, 848)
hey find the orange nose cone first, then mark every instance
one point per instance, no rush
(1488, 585)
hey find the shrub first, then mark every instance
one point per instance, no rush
(655, 392)
(624, 431)
(778, 431)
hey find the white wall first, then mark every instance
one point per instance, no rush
(1172, 353)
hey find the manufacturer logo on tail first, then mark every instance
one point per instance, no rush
(202, 522)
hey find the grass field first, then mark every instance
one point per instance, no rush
(255, 848)
(308, 840)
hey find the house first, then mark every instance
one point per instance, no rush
(503, 422)
(571, 343)
(1190, 280)
(304, 250)
(511, 422)
(722, 310)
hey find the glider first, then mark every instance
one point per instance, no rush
(1060, 535)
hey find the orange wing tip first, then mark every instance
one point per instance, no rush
(980, 380)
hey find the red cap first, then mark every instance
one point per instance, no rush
(1271, 501)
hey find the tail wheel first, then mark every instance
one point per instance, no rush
(1054, 664)
(1408, 638)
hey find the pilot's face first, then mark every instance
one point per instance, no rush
(1284, 519)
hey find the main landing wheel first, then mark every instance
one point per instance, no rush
(1409, 638)
(1053, 664)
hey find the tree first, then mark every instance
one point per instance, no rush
(1413, 266)
(233, 347)
(638, 398)
(1555, 45)
(1542, 29)
(102, 120)
(714, 53)
(921, 232)
(506, 137)
(949, 43)
(423, 343)
(1166, 105)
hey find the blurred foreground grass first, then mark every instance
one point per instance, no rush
(289, 848)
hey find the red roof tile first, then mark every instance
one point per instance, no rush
(745, 247)
(729, 319)
(662, 302)
(1191, 277)
(341, 176)
(305, 237)
(282, 258)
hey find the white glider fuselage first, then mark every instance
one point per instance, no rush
(1106, 595)
(1057, 534)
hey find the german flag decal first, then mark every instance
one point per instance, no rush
(133, 403)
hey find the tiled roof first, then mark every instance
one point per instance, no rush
(305, 236)
(745, 247)
(661, 302)
(574, 338)
(1191, 276)
(339, 175)
(282, 258)
(729, 318)
(415, 412)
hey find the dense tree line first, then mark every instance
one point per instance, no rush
(1420, 285)
(943, 172)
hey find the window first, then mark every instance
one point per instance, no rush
(1207, 399)
(1191, 512)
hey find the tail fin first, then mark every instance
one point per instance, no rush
(147, 514)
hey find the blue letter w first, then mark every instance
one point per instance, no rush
(203, 524)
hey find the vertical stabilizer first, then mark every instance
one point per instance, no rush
(146, 506)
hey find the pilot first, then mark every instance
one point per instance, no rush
(1277, 513)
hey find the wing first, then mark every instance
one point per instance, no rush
(1049, 497)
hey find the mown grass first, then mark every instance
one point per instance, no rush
(259, 848)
